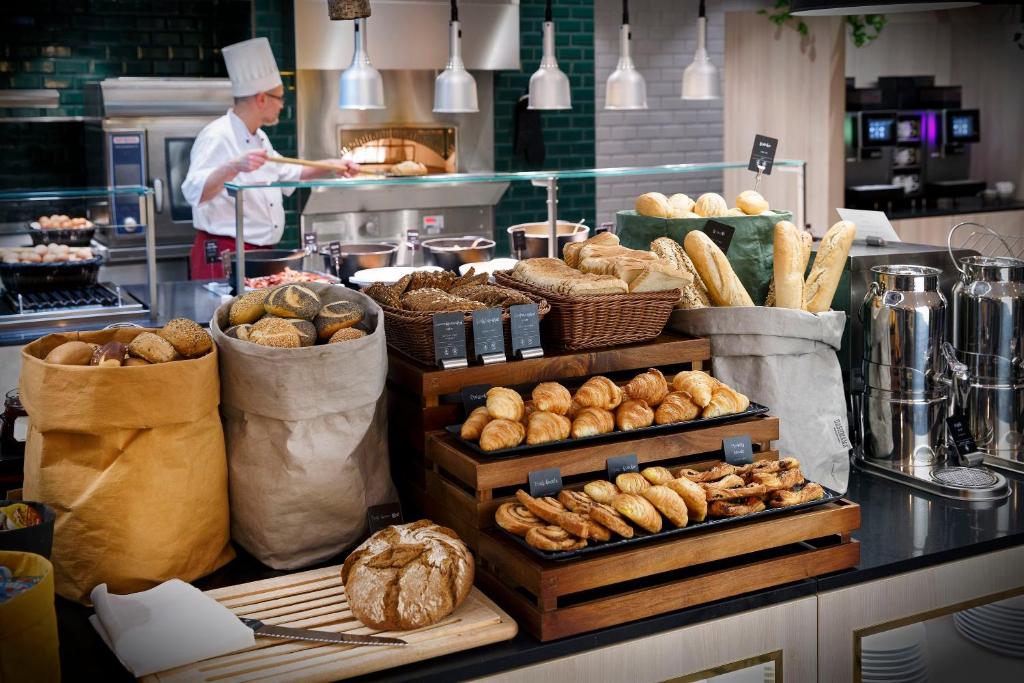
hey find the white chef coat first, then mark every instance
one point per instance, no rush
(221, 141)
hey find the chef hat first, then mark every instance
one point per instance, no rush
(251, 67)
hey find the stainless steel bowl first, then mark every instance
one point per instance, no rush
(261, 262)
(537, 237)
(452, 252)
(358, 256)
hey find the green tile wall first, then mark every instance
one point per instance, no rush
(568, 135)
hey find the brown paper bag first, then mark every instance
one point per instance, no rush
(306, 431)
(133, 461)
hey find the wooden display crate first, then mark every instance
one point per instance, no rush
(463, 488)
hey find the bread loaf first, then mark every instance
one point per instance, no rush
(710, 205)
(829, 263)
(659, 277)
(248, 308)
(187, 337)
(274, 332)
(555, 275)
(570, 252)
(407, 576)
(152, 347)
(788, 268)
(336, 316)
(751, 203)
(680, 205)
(695, 295)
(71, 353)
(653, 204)
(292, 301)
(724, 288)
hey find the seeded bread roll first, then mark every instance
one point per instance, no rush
(346, 334)
(292, 301)
(187, 337)
(239, 332)
(71, 353)
(152, 347)
(306, 330)
(337, 316)
(248, 308)
(274, 332)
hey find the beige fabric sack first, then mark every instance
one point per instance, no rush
(784, 359)
(306, 434)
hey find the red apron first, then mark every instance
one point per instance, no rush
(199, 269)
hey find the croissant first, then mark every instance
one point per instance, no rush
(725, 401)
(638, 510)
(657, 475)
(552, 397)
(544, 427)
(631, 482)
(505, 403)
(649, 386)
(574, 410)
(678, 406)
(668, 503)
(500, 434)
(697, 384)
(592, 421)
(598, 392)
(634, 415)
(475, 424)
(528, 410)
(602, 491)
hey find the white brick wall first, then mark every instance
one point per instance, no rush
(670, 131)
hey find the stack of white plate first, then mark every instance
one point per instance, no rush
(388, 275)
(998, 626)
(895, 655)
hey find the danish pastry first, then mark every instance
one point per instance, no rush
(668, 503)
(713, 474)
(551, 511)
(608, 517)
(781, 499)
(575, 501)
(776, 481)
(725, 508)
(638, 510)
(714, 493)
(516, 519)
(693, 496)
(553, 538)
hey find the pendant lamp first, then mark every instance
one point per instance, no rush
(360, 85)
(549, 87)
(700, 80)
(455, 88)
(811, 8)
(625, 88)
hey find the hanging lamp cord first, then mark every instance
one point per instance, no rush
(455, 10)
(547, 12)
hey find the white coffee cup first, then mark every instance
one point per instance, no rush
(1005, 189)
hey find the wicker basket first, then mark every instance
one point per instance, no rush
(592, 322)
(412, 332)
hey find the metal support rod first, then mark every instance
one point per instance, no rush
(552, 185)
(150, 236)
(239, 244)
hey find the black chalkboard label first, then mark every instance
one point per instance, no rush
(738, 450)
(449, 336)
(210, 249)
(474, 396)
(488, 335)
(763, 154)
(381, 516)
(545, 482)
(519, 241)
(720, 234)
(525, 326)
(960, 435)
(620, 464)
(309, 239)
(412, 236)
(334, 248)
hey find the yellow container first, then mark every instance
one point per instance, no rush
(28, 624)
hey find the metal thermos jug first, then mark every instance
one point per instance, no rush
(905, 397)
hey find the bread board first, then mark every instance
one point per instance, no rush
(316, 600)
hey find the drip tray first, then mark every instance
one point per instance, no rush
(959, 483)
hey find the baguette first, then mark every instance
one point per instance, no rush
(805, 255)
(788, 269)
(829, 264)
(724, 288)
(669, 251)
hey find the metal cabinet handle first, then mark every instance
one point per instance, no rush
(158, 195)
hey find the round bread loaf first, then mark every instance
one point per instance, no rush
(152, 347)
(274, 332)
(71, 353)
(292, 301)
(680, 205)
(751, 203)
(346, 334)
(239, 332)
(710, 205)
(187, 337)
(408, 576)
(337, 316)
(653, 204)
(306, 330)
(248, 308)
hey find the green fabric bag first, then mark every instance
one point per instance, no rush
(750, 252)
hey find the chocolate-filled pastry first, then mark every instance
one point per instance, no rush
(552, 397)
(500, 434)
(592, 421)
(544, 427)
(649, 387)
(668, 503)
(657, 475)
(608, 517)
(729, 481)
(693, 495)
(633, 414)
(505, 403)
(551, 511)
(724, 508)
(713, 493)
(765, 466)
(599, 392)
(631, 482)
(776, 481)
(712, 474)
(781, 499)
(575, 501)
(601, 491)
(677, 407)
(516, 519)
(553, 538)
(475, 423)
(638, 510)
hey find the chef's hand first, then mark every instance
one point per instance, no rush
(346, 167)
(249, 161)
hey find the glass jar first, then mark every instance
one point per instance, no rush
(13, 426)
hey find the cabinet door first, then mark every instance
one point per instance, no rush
(771, 644)
(944, 623)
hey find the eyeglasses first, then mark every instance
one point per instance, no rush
(279, 98)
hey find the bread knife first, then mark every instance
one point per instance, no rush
(285, 632)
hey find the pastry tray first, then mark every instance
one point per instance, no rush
(752, 410)
(641, 536)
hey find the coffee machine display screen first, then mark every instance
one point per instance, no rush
(878, 130)
(962, 126)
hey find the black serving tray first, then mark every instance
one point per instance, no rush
(641, 536)
(752, 409)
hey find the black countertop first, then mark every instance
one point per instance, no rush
(901, 530)
(962, 205)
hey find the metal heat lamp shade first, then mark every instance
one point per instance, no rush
(455, 88)
(360, 85)
(700, 80)
(811, 8)
(625, 88)
(549, 87)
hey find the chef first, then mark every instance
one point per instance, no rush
(235, 148)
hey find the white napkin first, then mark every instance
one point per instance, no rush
(171, 625)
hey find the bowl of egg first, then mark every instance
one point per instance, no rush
(48, 267)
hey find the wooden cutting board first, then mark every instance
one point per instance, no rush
(316, 600)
